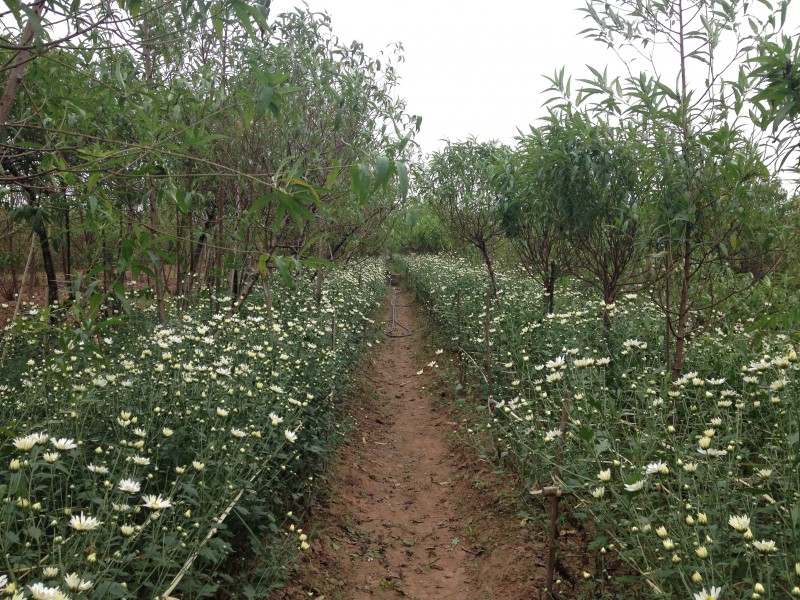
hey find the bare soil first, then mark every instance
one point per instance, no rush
(409, 510)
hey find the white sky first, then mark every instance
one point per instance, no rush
(470, 68)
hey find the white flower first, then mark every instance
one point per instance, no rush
(99, 469)
(237, 433)
(40, 591)
(555, 376)
(140, 460)
(712, 594)
(63, 443)
(198, 466)
(291, 436)
(76, 584)
(765, 546)
(604, 475)
(84, 522)
(221, 412)
(155, 502)
(556, 364)
(778, 384)
(24, 443)
(552, 434)
(598, 492)
(635, 487)
(51, 457)
(275, 419)
(127, 530)
(739, 523)
(656, 467)
(712, 452)
(129, 485)
(167, 432)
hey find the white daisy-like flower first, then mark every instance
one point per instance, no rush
(142, 461)
(84, 522)
(765, 546)
(275, 419)
(636, 486)
(221, 412)
(63, 443)
(604, 475)
(198, 466)
(24, 443)
(554, 377)
(290, 435)
(237, 433)
(76, 584)
(99, 469)
(778, 384)
(127, 530)
(51, 457)
(155, 502)
(740, 523)
(712, 594)
(40, 591)
(3, 582)
(551, 435)
(130, 486)
(656, 467)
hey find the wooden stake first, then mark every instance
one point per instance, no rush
(554, 498)
(487, 323)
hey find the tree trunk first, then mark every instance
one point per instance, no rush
(683, 307)
(152, 194)
(20, 62)
(488, 262)
(551, 288)
(47, 261)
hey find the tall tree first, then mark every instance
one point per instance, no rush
(688, 116)
(466, 192)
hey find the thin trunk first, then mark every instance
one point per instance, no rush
(151, 182)
(158, 271)
(20, 62)
(488, 262)
(47, 260)
(683, 307)
(551, 288)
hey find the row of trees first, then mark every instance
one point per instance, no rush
(636, 183)
(190, 141)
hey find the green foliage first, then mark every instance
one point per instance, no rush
(652, 468)
(199, 438)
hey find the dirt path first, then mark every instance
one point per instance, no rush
(407, 513)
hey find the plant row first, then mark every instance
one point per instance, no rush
(692, 482)
(133, 465)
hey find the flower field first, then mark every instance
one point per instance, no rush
(694, 484)
(132, 465)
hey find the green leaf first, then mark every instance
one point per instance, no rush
(264, 100)
(381, 172)
(402, 175)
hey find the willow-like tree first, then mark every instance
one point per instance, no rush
(702, 167)
(464, 189)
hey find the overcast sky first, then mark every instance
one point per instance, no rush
(472, 69)
(468, 70)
